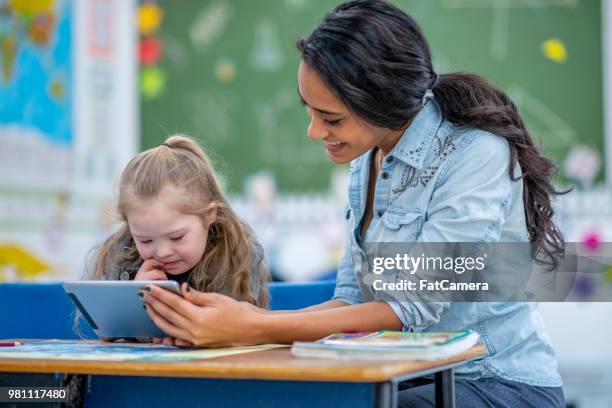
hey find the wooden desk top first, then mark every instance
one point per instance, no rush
(273, 364)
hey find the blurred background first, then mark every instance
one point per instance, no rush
(86, 84)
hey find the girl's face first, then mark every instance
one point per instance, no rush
(345, 136)
(174, 239)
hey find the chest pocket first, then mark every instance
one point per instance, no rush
(402, 225)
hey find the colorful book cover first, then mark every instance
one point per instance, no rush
(386, 338)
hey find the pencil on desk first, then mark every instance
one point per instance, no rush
(10, 343)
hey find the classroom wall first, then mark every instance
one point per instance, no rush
(68, 112)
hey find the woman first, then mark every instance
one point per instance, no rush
(433, 159)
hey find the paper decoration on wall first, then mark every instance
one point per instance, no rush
(225, 71)
(152, 82)
(267, 54)
(554, 49)
(582, 164)
(150, 16)
(607, 275)
(149, 51)
(21, 261)
(592, 241)
(152, 77)
(209, 24)
(584, 287)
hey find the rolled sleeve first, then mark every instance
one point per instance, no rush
(416, 316)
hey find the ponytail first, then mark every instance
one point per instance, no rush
(468, 100)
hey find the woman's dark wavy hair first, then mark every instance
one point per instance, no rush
(375, 59)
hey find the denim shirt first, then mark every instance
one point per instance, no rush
(442, 183)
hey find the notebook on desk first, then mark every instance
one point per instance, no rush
(388, 345)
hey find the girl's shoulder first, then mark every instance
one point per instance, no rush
(260, 274)
(258, 253)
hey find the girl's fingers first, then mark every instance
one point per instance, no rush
(157, 274)
(150, 264)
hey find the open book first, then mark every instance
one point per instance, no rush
(388, 345)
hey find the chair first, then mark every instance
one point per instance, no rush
(44, 311)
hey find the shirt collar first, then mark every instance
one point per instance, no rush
(414, 143)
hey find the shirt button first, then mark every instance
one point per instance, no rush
(389, 159)
(125, 275)
(380, 213)
(385, 175)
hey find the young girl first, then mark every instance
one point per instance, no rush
(177, 225)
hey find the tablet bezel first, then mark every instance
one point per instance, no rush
(113, 308)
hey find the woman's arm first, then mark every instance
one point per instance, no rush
(318, 322)
(213, 320)
(321, 306)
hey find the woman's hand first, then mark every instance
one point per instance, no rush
(150, 270)
(201, 319)
(254, 308)
(171, 341)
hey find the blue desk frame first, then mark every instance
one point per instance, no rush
(113, 391)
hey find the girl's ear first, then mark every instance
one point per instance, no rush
(211, 213)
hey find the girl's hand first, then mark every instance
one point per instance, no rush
(150, 270)
(201, 319)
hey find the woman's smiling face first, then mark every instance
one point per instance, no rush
(345, 136)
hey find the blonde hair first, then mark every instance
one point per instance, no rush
(226, 266)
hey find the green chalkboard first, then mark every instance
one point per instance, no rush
(230, 70)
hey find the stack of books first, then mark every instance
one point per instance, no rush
(388, 345)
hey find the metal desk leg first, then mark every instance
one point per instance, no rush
(386, 395)
(445, 389)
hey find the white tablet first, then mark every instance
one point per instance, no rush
(113, 309)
